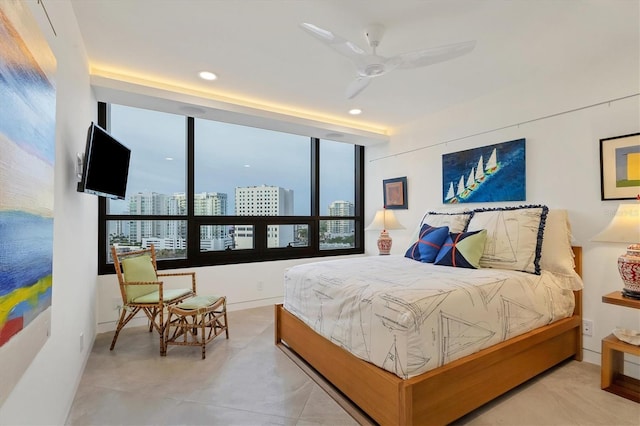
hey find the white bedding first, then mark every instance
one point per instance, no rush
(409, 317)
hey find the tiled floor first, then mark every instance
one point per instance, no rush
(247, 380)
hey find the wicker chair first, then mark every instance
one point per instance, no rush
(141, 290)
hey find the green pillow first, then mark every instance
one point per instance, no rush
(139, 268)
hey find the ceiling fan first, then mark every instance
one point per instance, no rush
(370, 65)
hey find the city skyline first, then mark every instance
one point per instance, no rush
(255, 200)
(331, 209)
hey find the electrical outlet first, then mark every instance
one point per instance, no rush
(116, 303)
(259, 286)
(587, 327)
(81, 341)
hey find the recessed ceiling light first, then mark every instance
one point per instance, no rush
(168, 158)
(206, 75)
(355, 111)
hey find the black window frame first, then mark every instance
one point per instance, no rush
(260, 252)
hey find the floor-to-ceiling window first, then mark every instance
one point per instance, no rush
(207, 192)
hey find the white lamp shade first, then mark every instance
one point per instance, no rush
(624, 227)
(384, 219)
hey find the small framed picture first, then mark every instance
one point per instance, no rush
(620, 167)
(395, 193)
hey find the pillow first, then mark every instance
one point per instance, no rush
(136, 269)
(456, 221)
(462, 249)
(428, 245)
(514, 236)
(557, 254)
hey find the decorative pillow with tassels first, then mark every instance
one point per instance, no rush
(514, 236)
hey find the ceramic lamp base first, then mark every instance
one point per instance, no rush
(384, 243)
(629, 268)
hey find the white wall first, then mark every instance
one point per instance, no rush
(562, 161)
(45, 392)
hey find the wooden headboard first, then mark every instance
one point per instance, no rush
(577, 310)
(577, 253)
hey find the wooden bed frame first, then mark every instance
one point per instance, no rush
(446, 393)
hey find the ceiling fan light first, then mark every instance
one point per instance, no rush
(355, 111)
(373, 70)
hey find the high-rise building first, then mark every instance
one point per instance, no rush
(172, 234)
(212, 237)
(264, 201)
(210, 204)
(341, 227)
(149, 203)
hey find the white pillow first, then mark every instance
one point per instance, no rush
(514, 237)
(456, 220)
(557, 255)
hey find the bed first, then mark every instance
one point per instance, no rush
(395, 389)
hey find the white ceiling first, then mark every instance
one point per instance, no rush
(259, 52)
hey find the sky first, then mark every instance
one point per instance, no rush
(227, 156)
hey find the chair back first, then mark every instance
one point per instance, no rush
(135, 266)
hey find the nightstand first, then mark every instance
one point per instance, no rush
(612, 371)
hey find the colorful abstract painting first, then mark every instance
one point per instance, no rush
(27, 148)
(486, 174)
(620, 167)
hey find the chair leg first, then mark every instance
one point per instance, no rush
(226, 323)
(203, 338)
(163, 347)
(165, 333)
(118, 328)
(152, 313)
(122, 322)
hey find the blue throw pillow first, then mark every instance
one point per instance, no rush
(429, 243)
(462, 250)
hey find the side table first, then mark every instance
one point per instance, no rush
(612, 370)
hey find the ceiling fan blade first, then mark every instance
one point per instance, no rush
(357, 86)
(334, 41)
(431, 56)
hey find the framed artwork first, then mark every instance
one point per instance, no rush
(620, 167)
(491, 173)
(395, 193)
(27, 152)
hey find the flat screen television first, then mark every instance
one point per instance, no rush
(106, 165)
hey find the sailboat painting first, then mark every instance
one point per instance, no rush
(27, 153)
(491, 173)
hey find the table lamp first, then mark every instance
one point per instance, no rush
(625, 228)
(383, 221)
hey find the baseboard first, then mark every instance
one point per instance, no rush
(257, 303)
(141, 320)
